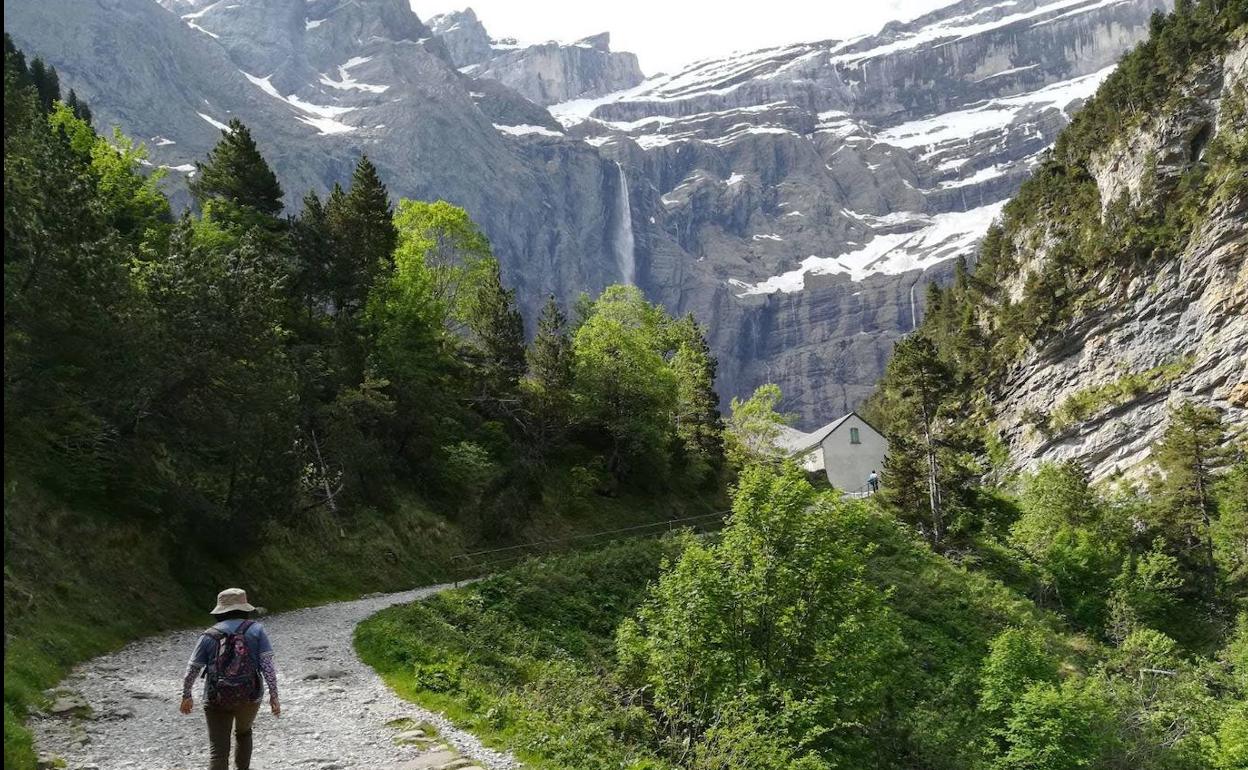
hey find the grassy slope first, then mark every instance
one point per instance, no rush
(520, 658)
(525, 659)
(76, 586)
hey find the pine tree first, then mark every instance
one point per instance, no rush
(15, 63)
(1189, 454)
(550, 373)
(313, 246)
(498, 331)
(550, 356)
(340, 285)
(47, 83)
(78, 107)
(922, 380)
(698, 421)
(362, 224)
(368, 206)
(236, 172)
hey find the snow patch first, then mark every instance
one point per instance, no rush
(995, 115)
(199, 14)
(346, 82)
(983, 175)
(1011, 71)
(942, 237)
(326, 126)
(320, 110)
(312, 23)
(214, 121)
(324, 112)
(525, 129)
(195, 26)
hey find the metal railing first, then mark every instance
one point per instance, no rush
(859, 493)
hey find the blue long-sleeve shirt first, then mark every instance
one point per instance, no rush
(206, 652)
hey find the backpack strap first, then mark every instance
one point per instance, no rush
(216, 635)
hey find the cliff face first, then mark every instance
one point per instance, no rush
(321, 82)
(1178, 331)
(544, 73)
(797, 200)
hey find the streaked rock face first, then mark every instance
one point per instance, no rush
(1189, 314)
(800, 198)
(545, 73)
(797, 200)
(321, 82)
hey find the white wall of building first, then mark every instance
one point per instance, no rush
(848, 464)
(812, 460)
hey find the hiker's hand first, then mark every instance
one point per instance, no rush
(275, 706)
(186, 706)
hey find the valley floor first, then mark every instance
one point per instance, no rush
(337, 713)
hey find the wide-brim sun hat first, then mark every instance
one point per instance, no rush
(232, 599)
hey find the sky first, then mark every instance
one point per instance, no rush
(666, 34)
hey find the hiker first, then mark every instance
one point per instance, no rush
(236, 660)
(873, 483)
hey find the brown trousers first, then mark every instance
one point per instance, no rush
(220, 723)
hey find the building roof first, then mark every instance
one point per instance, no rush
(795, 442)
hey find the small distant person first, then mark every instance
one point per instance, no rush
(873, 483)
(235, 658)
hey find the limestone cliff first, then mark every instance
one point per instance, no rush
(1097, 389)
(545, 73)
(797, 199)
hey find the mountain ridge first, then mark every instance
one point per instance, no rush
(1115, 289)
(802, 236)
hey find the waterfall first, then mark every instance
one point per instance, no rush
(914, 318)
(625, 252)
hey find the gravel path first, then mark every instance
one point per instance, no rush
(335, 709)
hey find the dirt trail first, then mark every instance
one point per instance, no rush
(336, 712)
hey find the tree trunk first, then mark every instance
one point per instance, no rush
(1207, 523)
(324, 473)
(933, 486)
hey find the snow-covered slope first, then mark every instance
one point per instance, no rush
(801, 196)
(795, 199)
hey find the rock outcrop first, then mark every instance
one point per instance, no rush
(797, 200)
(321, 82)
(545, 73)
(1178, 332)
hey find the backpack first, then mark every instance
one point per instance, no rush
(234, 675)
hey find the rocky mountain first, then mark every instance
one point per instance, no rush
(544, 73)
(795, 199)
(320, 82)
(1175, 332)
(1112, 293)
(799, 198)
